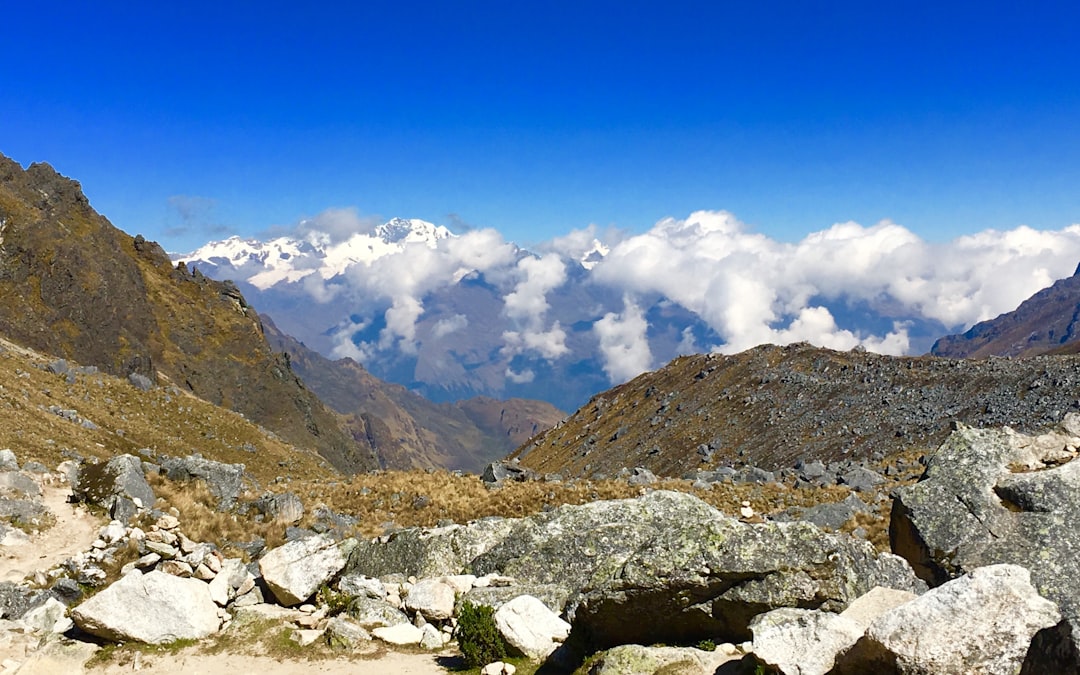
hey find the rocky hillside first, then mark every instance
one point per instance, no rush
(73, 285)
(405, 429)
(1048, 321)
(773, 406)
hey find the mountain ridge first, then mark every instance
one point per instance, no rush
(775, 406)
(74, 286)
(1047, 322)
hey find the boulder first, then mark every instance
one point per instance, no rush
(343, 633)
(283, 508)
(295, 570)
(370, 613)
(51, 617)
(554, 596)
(401, 634)
(231, 582)
(980, 623)
(667, 567)
(155, 608)
(530, 627)
(113, 484)
(993, 496)
(18, 484)
(8, 462)
(431, 637)
(357, 585)
(870, 606)
(640, 660)
(225, 481)
(802, 641)
(497, 473)
(431, 598)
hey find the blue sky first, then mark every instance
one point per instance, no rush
(190, 121)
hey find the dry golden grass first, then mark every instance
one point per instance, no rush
(165, 419)
(397, 497)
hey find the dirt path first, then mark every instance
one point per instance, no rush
(74, 531)
(189, 662)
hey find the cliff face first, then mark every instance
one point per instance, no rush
(772, 406)
(408, 431)
(73, 285)
(1048, 321)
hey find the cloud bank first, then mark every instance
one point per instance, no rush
(845, 286)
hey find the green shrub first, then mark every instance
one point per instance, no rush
(478, 637)
(335, 602)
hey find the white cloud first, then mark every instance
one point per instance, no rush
(550, 344)
(453, 324)
(752, 289)
(524, 377)
(527, 305)
(528, 301)
(624, 345)
(404, 278)
(334, 226)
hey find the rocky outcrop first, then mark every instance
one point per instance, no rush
(663, 567)
(427, 553)
(992, 496)
(686, 571)
(154, 608)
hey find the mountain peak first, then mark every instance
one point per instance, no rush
(406, 231)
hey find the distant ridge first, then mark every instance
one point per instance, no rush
(408, 431)
(1048, 321)
(773, 406)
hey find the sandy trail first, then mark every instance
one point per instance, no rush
(189, 662)
(74, 531)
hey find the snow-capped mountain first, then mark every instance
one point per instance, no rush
(264, 264)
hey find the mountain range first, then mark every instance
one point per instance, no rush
(449, 317)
